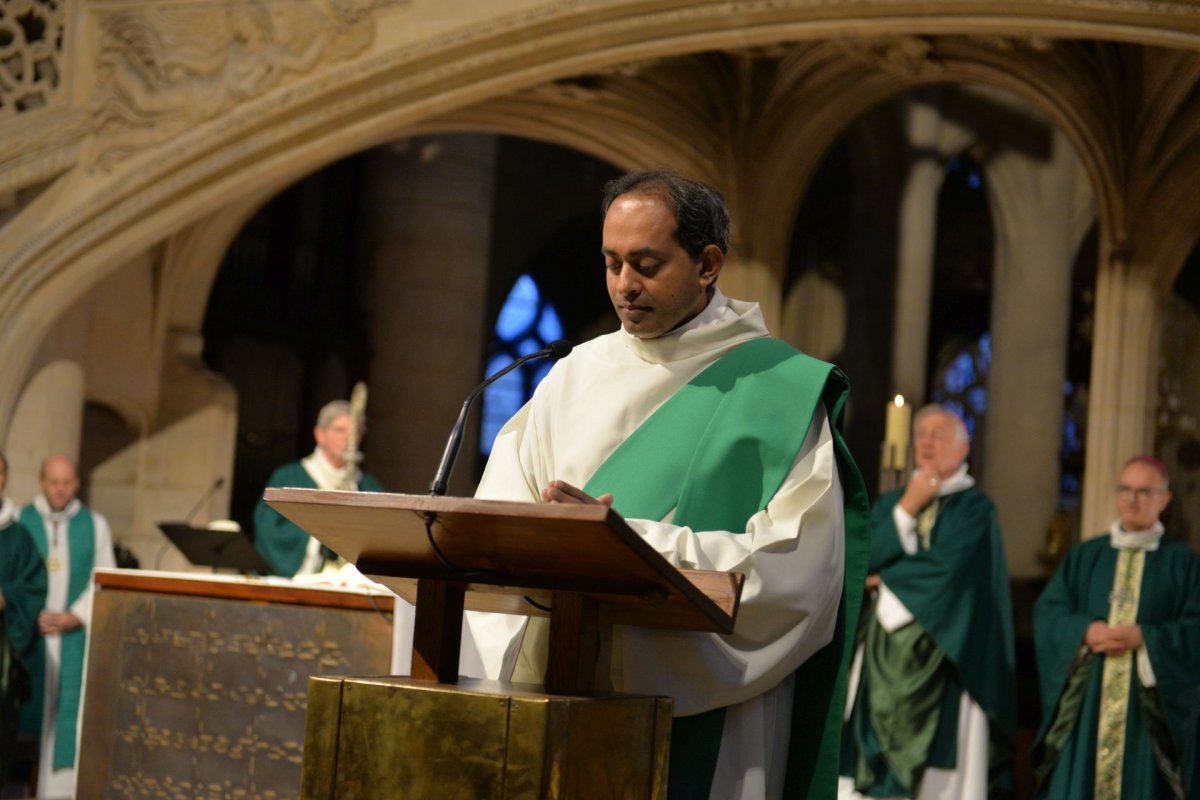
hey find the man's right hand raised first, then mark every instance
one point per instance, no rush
(921, 489)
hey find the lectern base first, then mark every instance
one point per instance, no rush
(398, 737)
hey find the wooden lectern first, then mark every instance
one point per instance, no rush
(579, 564)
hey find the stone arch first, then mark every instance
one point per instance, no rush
(269, 140)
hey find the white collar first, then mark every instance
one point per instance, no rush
(1135, 540)
(326, 475)
(957, 482)
(8, 512)
(723, 324)
(43, 508)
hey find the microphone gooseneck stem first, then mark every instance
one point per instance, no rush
(557, 349)
(442, 478)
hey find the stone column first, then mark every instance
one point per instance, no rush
(1041, 209)
(752, 279)
(49, 412)
(1123, 386)
(429, 212)
(915, 249)
(175, 464)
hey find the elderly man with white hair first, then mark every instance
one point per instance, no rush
(931, 711)
(286, 546)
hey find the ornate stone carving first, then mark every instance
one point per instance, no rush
(164, 69)
(904, 56)
(31, 36)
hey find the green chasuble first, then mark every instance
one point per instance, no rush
(23, 582)
(906, 710)
(280, 541)
(753, 408)
(81, 538)
(1162, 724)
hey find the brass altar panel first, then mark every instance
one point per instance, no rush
(196, 697)
(399, 738)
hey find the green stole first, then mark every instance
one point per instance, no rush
(717, 452)
(81, 544)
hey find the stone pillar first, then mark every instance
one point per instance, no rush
(174, 466)
(752, 279)
(918, 236)
(1041, 209)
(814, 317)
(48, 418)
(1123, 385)
(429, 212)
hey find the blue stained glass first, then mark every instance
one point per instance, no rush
(985, 351)
(1068, 388)
(540, 371)
(520, 310)
(973, 179)
(960, 373)
(500, 401)
(549, 328)
(977, 399)
(525, 325)
(1071, 434)
(528, 345)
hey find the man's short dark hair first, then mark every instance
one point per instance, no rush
(700, 213)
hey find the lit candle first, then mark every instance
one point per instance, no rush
(896, 432)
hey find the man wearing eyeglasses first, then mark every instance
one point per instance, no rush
(1117, 633)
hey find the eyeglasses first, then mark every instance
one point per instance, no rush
(1142, 493)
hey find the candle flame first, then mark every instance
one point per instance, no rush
(899, 401)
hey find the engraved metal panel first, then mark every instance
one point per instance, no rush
(192, 697)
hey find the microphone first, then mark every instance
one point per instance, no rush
(204, 498)
(556, 350)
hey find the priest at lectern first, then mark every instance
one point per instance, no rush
(721, 447)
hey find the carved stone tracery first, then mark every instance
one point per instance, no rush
(31, 39)
(163, 70)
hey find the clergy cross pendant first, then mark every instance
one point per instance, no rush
(53, 564)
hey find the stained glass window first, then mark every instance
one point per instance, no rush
(526, 324)
(962, 386)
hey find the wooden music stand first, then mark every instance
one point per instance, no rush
(581, 565)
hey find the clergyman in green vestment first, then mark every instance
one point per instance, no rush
(285, 545)
(71, 540)
(1117, 633)
(932, 708)
(721, 447)
(22, 595)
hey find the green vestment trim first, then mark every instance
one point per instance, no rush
(716, 452)
(279, 540)
(81, 541)
(1162, 725)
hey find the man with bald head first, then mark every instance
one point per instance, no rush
(1117, 632)
(71, 540)
(932, 712)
